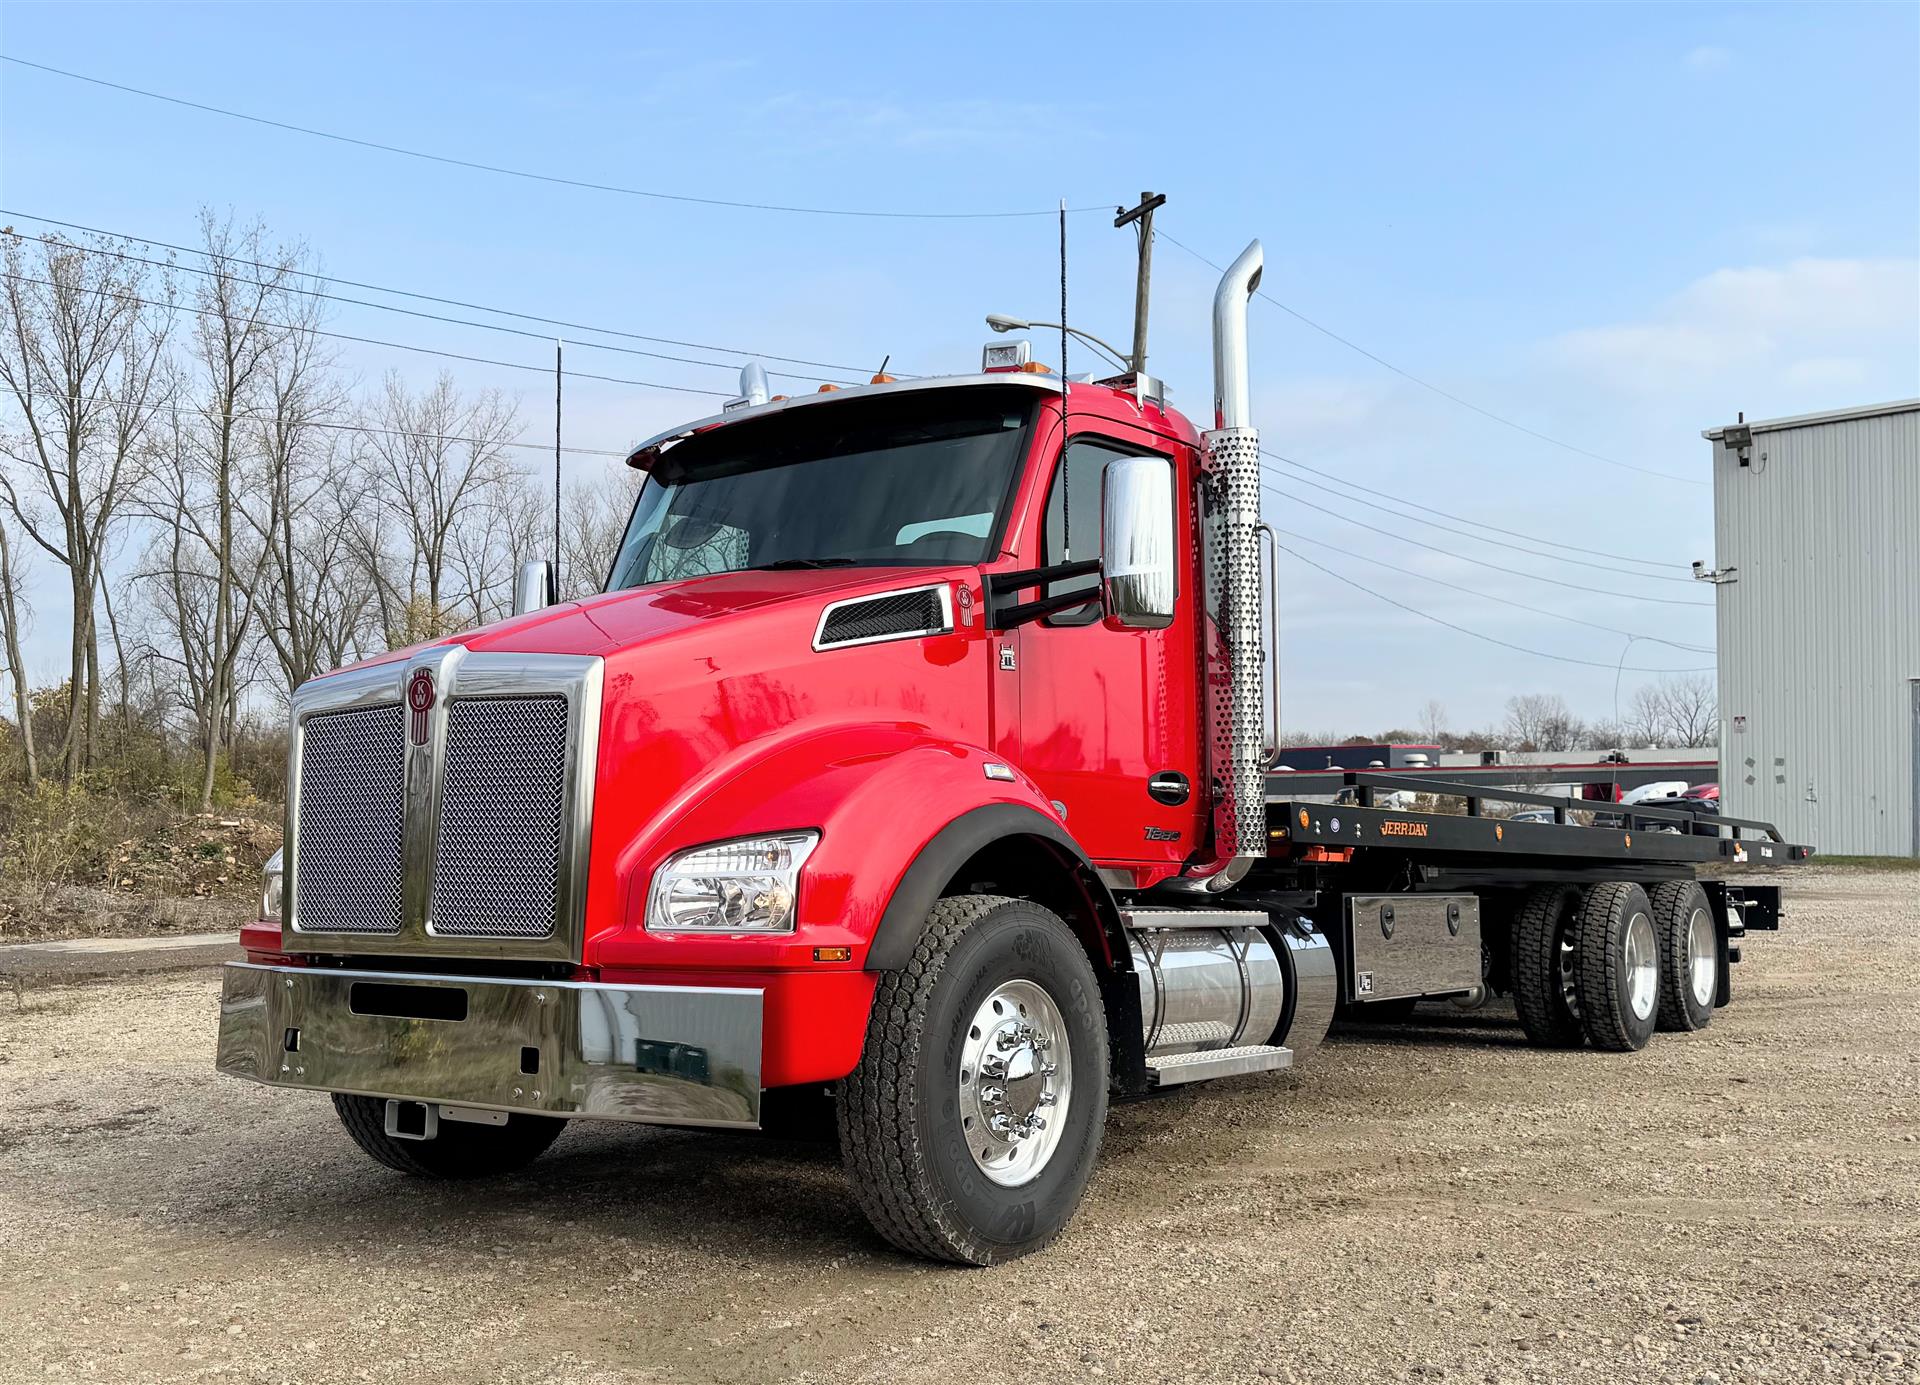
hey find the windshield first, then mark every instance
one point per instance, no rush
(914, 480)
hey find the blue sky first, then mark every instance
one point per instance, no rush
(1614, 225)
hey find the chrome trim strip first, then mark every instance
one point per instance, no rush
(457, 672)
(943, 589)
(642, 454)
(664, 1055)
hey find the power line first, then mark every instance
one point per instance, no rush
(1501, 419)
(1481, 562)
(1464, 519)
(528, 174)
(1372, 561)
(1495, 543)
(431, 298)
(401, 345)
(253, 417)
(387, 307)
(1476, 634)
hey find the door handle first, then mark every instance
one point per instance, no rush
(1169, 788)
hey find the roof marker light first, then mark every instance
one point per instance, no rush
(1005, 355)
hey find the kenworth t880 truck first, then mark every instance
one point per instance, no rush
(916, 754)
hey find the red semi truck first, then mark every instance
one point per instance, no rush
(914, 756)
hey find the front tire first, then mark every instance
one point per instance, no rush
(1619, 966)
(972, 1124)
(460, 1150)
(1689, 955)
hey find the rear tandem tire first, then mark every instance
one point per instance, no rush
(915, 1113)
(1689, 955)
(1542, 962)
(1618, 966)
(460, 1150)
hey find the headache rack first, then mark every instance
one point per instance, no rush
(1639, 832)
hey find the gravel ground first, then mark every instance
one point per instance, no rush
(1438, 1202)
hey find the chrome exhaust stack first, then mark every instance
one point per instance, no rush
(1236, 658)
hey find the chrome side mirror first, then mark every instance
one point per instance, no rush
(532, 586)
(1137, 543)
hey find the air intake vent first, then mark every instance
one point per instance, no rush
(888, 616)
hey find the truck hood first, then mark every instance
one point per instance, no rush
(619, 620)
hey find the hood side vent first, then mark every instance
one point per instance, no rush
(897, 615)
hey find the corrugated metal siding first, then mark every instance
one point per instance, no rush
(1819, 639)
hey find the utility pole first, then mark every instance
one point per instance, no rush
(553, 578)
(1143, 214)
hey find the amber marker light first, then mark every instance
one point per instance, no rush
(1304, 819)
(833, 954)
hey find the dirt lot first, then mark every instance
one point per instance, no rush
(1439, 1202)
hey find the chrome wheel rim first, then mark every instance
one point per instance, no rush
(1703, 959)
(1567, 972)
(1642, 956)
(1015, 1082)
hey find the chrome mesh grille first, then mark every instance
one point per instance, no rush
(352, 783)
(496, 869)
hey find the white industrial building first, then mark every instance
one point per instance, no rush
(1817, 571)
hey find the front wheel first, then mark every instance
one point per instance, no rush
(971, 1126)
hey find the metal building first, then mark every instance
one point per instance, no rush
(1816, 524)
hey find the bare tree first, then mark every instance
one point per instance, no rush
(1690, 705)
(217, 491)
(1646, 718)
(437, 465)
(83, 337)
(315, 596)
(1542, 721)
(1433, 720)
(16, 666)
(597, 511)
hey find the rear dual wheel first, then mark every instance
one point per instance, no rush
(1588, 966)
(1689, 955)
(1617, 951)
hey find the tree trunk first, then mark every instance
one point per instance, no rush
(22, 700)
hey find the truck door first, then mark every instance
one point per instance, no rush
(1109, 719)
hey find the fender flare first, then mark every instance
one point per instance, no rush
(952, 847)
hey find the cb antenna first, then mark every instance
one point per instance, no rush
(1066, 465)
(1141, 217)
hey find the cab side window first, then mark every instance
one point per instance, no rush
(1073, 522)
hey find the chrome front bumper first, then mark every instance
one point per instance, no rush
(671, 1055)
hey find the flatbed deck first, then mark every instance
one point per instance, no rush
(1657, 836)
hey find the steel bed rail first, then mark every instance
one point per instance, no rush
(1367, 823)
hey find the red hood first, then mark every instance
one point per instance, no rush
(618, 620)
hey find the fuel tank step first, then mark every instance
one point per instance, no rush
(1191, 918)
(1172, 1069)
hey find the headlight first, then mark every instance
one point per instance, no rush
(745, 886)
(270, 881)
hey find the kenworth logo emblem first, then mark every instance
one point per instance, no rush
(420, 701)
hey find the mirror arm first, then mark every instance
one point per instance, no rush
(1004, 615)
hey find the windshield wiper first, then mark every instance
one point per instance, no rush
(794, 564)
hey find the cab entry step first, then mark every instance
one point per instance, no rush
(1171, 1069)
